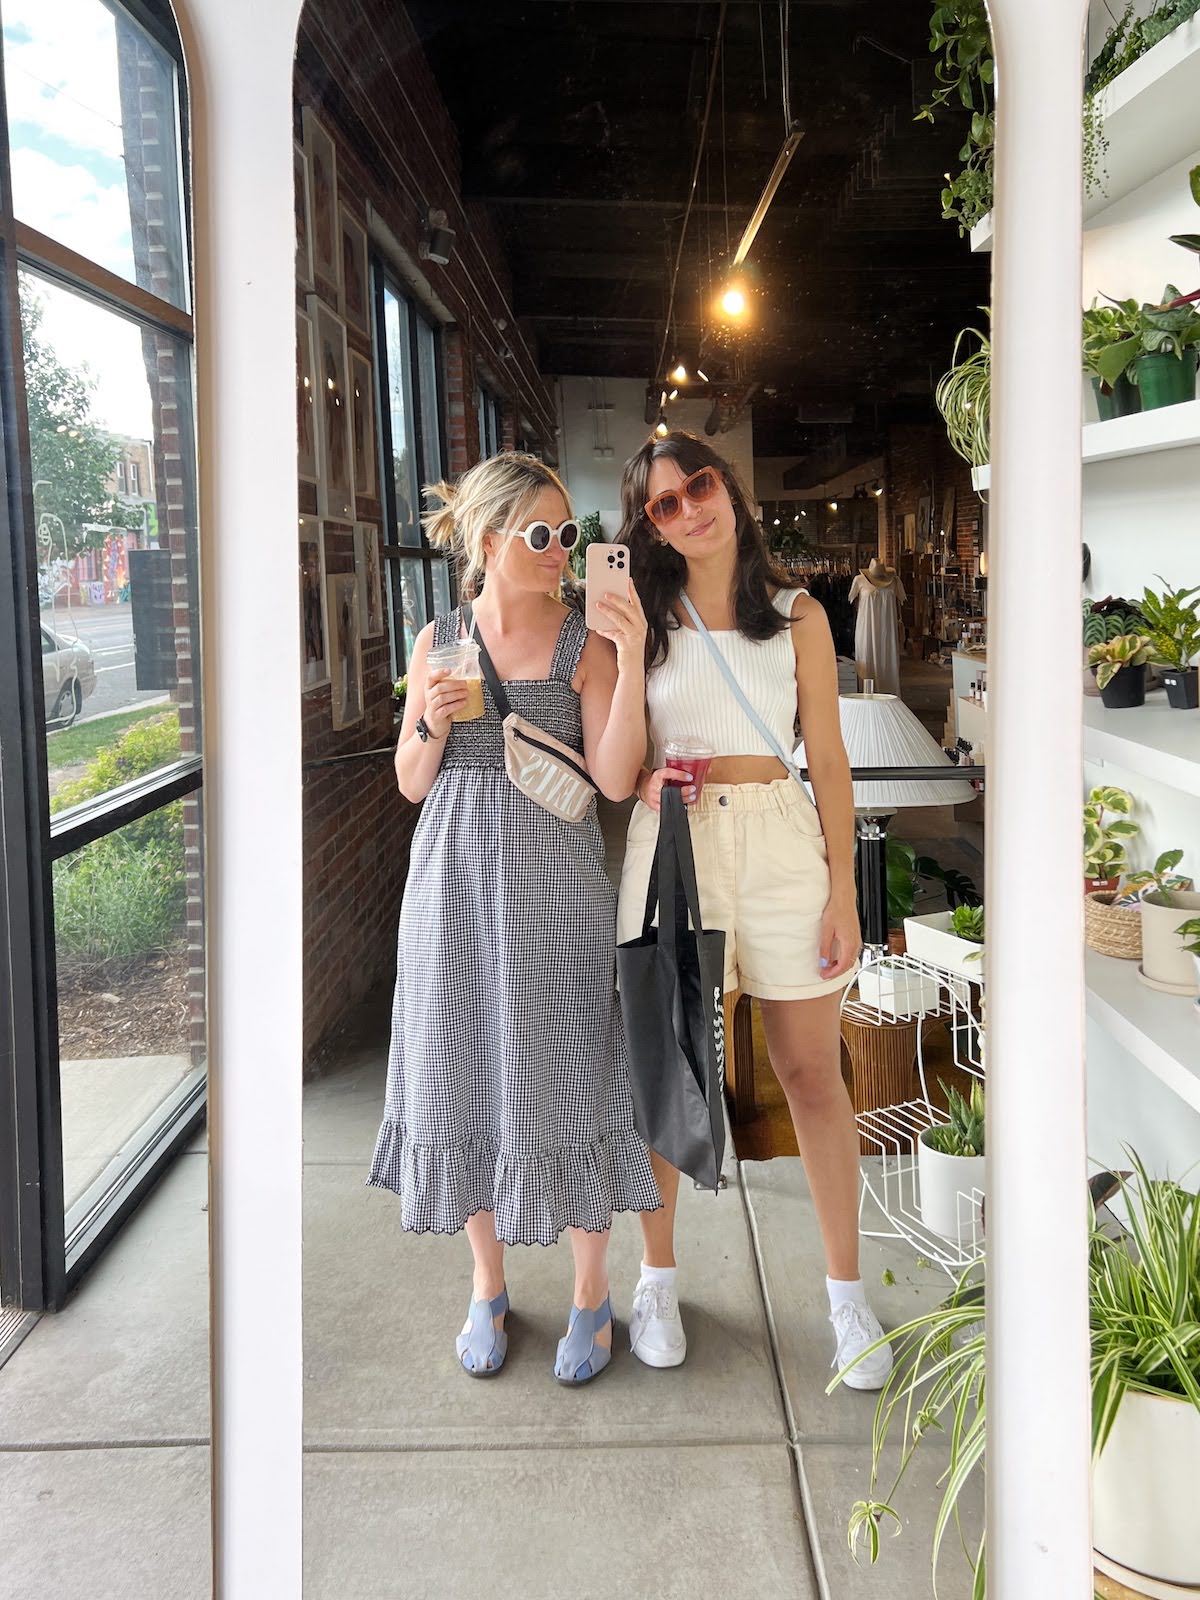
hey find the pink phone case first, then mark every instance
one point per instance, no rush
(607, 570)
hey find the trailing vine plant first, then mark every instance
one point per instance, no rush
(965, 75)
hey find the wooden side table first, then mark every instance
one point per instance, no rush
(882, 1057)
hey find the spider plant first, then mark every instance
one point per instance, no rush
(1144, 1300)
(963, 397)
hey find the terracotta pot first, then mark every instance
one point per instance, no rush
(897, 944)
(1101, 885)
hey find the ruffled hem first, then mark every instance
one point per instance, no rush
(534, 1197)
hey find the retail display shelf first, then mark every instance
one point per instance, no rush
(1161, 1030)
(1154, 741)
(1151, 120)
(1168, 428)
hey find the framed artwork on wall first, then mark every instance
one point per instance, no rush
(924, 505)
(910, 531)
(345, 649)
(362, 425)
(322, 194)
(354, 292)
(308, 458)
(336, 487)
(368, 564)
(314, 632)
(304, 254)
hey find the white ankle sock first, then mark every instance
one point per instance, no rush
(842, 1290)
(663, 1275)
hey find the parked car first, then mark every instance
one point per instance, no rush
(68, 677)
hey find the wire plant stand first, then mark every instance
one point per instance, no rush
(913, 990)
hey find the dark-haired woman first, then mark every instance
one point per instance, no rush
(775, 871)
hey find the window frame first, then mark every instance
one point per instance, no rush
(384, 281)
(43, 1251)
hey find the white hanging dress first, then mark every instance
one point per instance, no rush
(877, 631)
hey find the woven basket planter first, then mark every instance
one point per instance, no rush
(1112, 930)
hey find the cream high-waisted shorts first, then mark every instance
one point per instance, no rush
(763, 876)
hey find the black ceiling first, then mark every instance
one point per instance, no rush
(580, 121)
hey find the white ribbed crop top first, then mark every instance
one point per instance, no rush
(687, 697)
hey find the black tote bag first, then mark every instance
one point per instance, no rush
(672, 982)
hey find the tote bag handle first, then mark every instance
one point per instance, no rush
(672, 889)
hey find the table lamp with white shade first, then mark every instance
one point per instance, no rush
(879, 730)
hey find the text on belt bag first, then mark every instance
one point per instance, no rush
(672, 982)
(541, 766)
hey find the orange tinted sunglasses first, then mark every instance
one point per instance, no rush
(701, 486)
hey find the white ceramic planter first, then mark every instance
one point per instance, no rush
(930, 939)
(897, 991)
(1144, 1489)
(948, 1206)
(1164, 959)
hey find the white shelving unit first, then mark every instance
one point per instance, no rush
(1151, 120)
(890, 1176)
(1152, 741)
(1161, 1030)
(1168, 428)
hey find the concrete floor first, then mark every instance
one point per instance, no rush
(734, 1473)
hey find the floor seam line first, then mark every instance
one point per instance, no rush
(66, 1447)
(474, 1446)
(799, 1478)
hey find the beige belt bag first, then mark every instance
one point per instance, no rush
(547, 771)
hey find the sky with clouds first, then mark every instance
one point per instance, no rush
(68, 173)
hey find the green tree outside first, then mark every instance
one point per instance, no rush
(73, 460)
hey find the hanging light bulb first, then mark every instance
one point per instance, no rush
(662, 430)
(680, 374)
(733, 302)
(662, 399)
(674, 395)
(703, 376)
(833, 505)
(877, 488)
(776, 521)
(803, 513)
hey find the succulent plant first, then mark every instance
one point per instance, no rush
(962, 1133)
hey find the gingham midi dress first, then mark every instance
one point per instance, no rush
(508, 1087)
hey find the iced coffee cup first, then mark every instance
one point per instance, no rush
(461, 661)
(692, 756)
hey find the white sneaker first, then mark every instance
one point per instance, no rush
(656, 1333)
(857, 1329)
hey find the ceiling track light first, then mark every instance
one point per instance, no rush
(680, 374)
(782, 161)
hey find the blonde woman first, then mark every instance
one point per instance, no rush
(508, 1107)
(774, 871)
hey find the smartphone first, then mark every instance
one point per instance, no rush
(606, 569)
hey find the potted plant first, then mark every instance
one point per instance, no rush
(1103, 328)
(1145, 1319)
(950, 1166)
(399, 690)
(1173, 627)
(963, 396)
(1161, 876)
(1144, 1308)
(952, 941)
(1120, 668)
(1189, 932)
(1166, 960)
(1107, 824)
(1159, 355)
(1106, 619)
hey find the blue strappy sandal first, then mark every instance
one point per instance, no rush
(580, 1358)
(482, 1349)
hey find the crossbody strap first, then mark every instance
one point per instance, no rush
(490, 674)
(727, 674)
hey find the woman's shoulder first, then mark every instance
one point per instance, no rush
(794, 602)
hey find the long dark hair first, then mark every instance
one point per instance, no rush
(659, 572)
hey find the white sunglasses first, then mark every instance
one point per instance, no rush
(539, 534)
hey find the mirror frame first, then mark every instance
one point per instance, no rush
(240, 62)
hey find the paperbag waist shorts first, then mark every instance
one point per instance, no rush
(763, 875)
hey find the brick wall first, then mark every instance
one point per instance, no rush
(360, 69)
